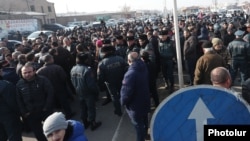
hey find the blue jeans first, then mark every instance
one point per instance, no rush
(141, 127)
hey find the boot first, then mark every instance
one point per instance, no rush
(166, 85)
(118, 113)
(106, 101)
(94, 125)
(86, 124)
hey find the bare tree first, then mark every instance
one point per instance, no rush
(125, 10)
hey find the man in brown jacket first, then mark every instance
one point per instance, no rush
(206, 63)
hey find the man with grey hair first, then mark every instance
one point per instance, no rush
(135, 94)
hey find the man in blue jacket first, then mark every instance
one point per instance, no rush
(135, 94)
(57, 128)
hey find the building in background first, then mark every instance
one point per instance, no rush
(42, 10)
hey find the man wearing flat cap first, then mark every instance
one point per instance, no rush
(221, 50)
(131, 43)
(240, 53)
(167, 55)
(146, 46)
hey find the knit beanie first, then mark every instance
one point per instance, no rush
(55, 121)
(216, 41)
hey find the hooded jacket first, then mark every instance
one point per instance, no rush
(78, 130)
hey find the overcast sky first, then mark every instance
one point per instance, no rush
(63, 6)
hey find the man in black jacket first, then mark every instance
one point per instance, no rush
(58, 78)
(111, 70)
(34, 98)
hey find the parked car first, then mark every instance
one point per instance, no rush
(121, 21)
(54, 27)
(97, 24)
(36, 34)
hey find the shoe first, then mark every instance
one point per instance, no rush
(94, 125)
(166, 87)
(106, 101)
(86, 124)
(147, 137)
(118, 113)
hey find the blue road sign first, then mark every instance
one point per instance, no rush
(182, 115)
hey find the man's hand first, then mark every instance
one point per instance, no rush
(26, 114)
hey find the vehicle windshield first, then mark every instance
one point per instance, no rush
(34, 34)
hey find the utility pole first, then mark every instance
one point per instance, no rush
(237, 2)
(215, 4)
(28, 5)
(164, 9)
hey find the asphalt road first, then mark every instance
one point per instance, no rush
(115, 128)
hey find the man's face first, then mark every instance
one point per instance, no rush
(218, 46)
(248, 28)
(57, 135)
(28, 73)
(163, 37)
(141, 42)
(130, 42)
(186, 34)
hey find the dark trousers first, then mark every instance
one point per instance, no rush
(141, 127)
(190, 66)
(10, 128)
(154, 92)
(242, 66)
(88, 108)
(115, 96)
(168, 71)
(34, 121)
(64, 103)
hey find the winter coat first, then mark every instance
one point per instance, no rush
(78, 131)
(135, 95)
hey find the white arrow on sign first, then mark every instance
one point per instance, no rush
(200, 113)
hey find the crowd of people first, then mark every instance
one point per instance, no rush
(41, 76)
